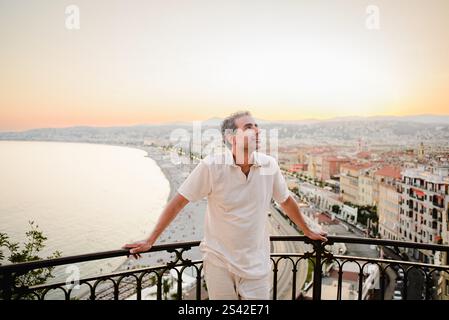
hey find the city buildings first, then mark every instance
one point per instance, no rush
(331, 166)
(443, 281)
(388, 212)
(424, 197)
(349, 183)
(386, 183)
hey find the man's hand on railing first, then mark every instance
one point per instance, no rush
(137, 247)
(291, 208)
(171, 210)
(316, 235)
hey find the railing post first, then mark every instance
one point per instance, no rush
(198, 284)
(317, 274)
(382, 283)
(139, 289)
(294, 282)
(428, 287)
(275, 280)
(405, 285)
(6, 285)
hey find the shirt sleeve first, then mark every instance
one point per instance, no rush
(198, 183)
(280, 189)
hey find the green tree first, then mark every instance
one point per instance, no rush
(166, 286)
(367, 212)
(336, 208)
(35, 242)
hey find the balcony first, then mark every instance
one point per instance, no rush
(284, 265)
(438, 204)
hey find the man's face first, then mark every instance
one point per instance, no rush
(246, 137)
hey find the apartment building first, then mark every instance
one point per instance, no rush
(443, 281)
(386, 187)
(314, 166)
(331, 166)
(388, 211)
(423, 205)
(349, 182)
(367, 195)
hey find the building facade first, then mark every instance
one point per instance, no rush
(387, 198)
(423, 204)
(366, 189)
(331, 167)
(349, 182)
(388, 211)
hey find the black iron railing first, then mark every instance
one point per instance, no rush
(318, 256)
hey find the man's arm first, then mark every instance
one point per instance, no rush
(291, 208)
(174, 206)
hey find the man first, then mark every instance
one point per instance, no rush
(239, 185)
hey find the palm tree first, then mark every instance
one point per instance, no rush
(166, 286)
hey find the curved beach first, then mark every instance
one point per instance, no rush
(187, 226)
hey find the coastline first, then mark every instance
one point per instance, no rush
(188, 224)
(158, 156)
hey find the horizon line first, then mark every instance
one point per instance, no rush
(217, 117)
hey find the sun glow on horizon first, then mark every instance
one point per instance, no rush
(151, 63)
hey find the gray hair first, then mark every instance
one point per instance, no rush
(228, 124)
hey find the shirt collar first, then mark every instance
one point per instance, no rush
(229, 159)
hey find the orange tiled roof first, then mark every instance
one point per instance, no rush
(389, 171)
(332, 158)
(356, 166)
(363, 154)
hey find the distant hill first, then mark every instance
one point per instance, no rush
(380, 130)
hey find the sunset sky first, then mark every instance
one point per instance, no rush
(136, 62)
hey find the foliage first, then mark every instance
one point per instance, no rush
(336, 208)
(34, 244)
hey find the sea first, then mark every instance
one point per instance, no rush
(84, 197)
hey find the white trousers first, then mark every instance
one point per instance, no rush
(225, 285)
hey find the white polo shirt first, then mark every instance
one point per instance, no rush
(236, 221)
